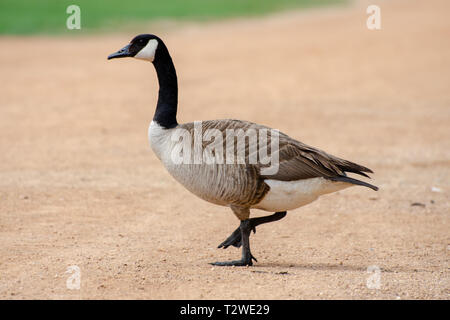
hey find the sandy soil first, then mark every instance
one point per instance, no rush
(80, 186)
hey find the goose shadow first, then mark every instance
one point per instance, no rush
(262, 267)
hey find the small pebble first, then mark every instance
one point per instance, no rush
(418, 204)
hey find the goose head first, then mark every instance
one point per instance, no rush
(143, 46)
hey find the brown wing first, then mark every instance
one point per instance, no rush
(299, 161)
(296, 160)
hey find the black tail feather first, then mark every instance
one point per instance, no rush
(353, 181)
(355, 168)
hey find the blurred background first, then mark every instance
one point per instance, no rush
(79, 185)
(45, 16)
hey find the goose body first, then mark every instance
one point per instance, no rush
(303, 173)
(229, 185)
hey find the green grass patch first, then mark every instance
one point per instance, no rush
(49, 16)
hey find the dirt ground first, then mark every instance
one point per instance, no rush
(80, 186)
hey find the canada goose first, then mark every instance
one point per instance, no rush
(303, 173)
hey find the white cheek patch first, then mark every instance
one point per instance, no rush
(148, 52)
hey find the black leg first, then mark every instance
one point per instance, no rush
(241, 236)
(235, 238)
(247, 257)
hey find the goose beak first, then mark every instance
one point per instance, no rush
(122, 53)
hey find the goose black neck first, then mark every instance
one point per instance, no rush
(166, 108)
